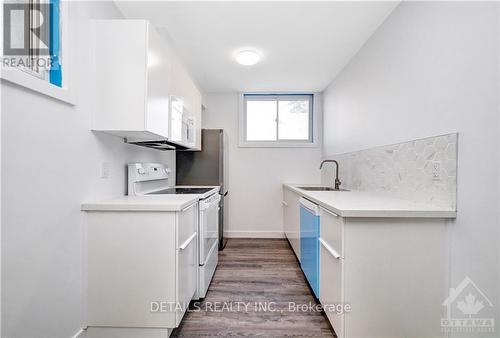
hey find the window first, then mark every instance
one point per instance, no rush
(35, 38)
(55, 72)
(33, 54)
(277, 120)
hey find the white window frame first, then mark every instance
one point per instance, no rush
(32, 81)
(313, 142)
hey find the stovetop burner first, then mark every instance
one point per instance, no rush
(180, 191)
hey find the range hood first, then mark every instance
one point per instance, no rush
(158, 144)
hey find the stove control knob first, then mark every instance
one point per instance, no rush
(141, 171)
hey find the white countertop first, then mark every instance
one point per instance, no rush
(166, 202)
(368, 204)
(142, 203)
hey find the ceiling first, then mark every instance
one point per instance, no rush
(304, 45)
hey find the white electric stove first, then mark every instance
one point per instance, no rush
(148, 179)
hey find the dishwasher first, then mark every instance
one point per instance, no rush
(309, 243)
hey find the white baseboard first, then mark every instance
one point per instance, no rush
(126, 332)
(254, 234)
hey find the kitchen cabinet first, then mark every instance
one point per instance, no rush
(379, 276)
(133, 81)
(291, 219)
(390, 271)
(142, 267)
(139, 77)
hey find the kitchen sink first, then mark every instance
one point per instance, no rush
(320, 189)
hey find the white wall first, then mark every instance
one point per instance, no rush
(50, 165)
(430, 69)
(256, 175)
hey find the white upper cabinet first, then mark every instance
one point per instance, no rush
(140, 81)
(159, 83)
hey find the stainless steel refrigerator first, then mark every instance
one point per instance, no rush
(207, 167)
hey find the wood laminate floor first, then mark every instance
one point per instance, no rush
(253, 273)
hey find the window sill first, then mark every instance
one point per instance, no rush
(30, 82)
(246, 144)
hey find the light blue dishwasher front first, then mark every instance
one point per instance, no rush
(309, 243)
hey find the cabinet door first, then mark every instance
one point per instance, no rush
(128, 275)
(187, 254)
(159, 73)
(287, 226)
(120, 54)
(331, 285)
(291, 219)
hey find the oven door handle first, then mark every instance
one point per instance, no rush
(187, 241)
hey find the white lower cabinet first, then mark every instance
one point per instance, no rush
(391, 272)
(141, 267)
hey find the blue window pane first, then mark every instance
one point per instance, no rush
(55, 73)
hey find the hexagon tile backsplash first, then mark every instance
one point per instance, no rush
(406, 170)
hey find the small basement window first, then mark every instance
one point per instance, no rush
(35, 49)
(277, 120)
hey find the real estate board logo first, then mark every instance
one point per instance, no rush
(468, 310)
(26, 29)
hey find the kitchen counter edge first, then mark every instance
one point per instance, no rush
(413, 209)
(141, 203)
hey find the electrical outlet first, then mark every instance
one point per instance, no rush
(104, 170)
(436, 171)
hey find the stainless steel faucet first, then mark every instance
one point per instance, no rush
(337, 181)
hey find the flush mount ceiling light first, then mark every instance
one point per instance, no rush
(247, 57)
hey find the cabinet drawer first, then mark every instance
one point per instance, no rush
(331, 287)
(187, 275)
(331, 229)
(187, 257)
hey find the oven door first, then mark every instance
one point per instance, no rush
(209, 226)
